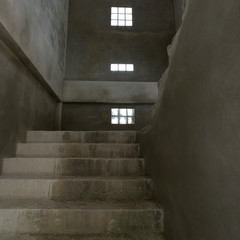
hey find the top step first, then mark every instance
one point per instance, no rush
(81, 136)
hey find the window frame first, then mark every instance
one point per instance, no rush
(120, 115)
(122, 67)
(121, 17)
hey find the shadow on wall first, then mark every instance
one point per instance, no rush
(24, 103)
(192, 147)
(1, 165)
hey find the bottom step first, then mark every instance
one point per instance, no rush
(49, 217)
(82, 237)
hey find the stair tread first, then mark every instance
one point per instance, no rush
(77, 205)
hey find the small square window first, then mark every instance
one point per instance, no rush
(128, 17)
(115, 111)
(114, 23)
(123, 120)
(129, 23)
(121, 16)
(123, 112)
(131, 112)
(115, 17)
(121, 23)
(122, 67)
(114, 67)
(121, 10)
(128, 10)
(114, 10)
(130, 67)
(122, 116)
(131, 120)
(115, 120)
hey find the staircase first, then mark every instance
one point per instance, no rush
(78, 185)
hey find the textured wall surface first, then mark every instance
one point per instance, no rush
(178, 10)
(93, 116)
(24, 103)
(39, 29)
(93, 44)
(192, 147)
(109, 92)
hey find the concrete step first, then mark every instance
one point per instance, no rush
(81, 136)
(78, 150)
(83, 237)
(110, 188)
(79, 218)
(74, 166)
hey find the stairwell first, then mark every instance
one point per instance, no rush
(78, 185)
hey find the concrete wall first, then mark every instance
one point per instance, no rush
(93, 44)
(32, 58)
(97, 117)
(37, 32)
(24, 103)
(110, 92)
(192, 147)
(178, 11)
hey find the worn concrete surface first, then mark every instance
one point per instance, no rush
(24, 103)
(110, 92)
(93, 44)
(65, 206)
(74, 166)
(82, 136)
(75, 188)
(39, 29)
(192, 147)
(79, 218)
(112, 150)
(96, 116)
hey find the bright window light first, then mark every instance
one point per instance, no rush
(121, 16)
(122, 116)
(122, 67)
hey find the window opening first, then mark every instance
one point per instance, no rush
(122, 67)
(122, 116)
(121, 16)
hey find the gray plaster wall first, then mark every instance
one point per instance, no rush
(110, 92)
(38, 28)
(93, 44)
(97, 117)
(178, 11)
(24, 103)
(192, 146)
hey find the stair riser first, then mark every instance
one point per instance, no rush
(106, 236)
(78, 150)
(74, 167)
(81, 137)
(50, 221)
(76, 189)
